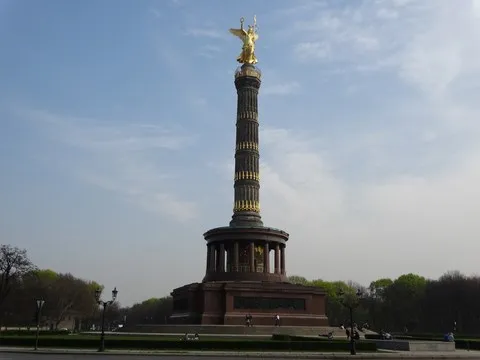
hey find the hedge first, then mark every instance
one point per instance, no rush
(286, 337)
(155, 344)
(13, 332)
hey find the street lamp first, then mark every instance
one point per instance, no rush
(351, 303)
(39, 305)
(104, 305)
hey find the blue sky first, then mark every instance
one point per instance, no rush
(117, 135)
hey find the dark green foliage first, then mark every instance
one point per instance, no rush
(410, 301)
(26, 333)
(151, 311)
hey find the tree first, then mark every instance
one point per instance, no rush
(64, 295)
(380, 314)
(378, 288)
(151, 311)
(69, 294)
(14, 263)
(406, 297)
(300, 280)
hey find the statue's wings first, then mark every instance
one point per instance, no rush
(238, 32)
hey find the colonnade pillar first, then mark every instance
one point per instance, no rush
(208, 257)
(216, 257)
(221, 258)
(277, 259)
(266, 258)
(236, 256)
(252, 256)
(212, 256)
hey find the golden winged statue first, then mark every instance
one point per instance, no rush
(248, 37)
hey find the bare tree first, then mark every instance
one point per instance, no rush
(14, 263)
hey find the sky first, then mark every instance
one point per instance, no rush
(117, 125)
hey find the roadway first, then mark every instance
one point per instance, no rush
(44, 356)
(39, 356)
(4, 355)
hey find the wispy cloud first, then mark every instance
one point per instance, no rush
(206, 32)
(210, 51)
(312, 50)
(155, 12)
(122, 157)
(425, 43)
(415, 186)
(281, 89)
(444, 52)
(354, 30)
(303, 191)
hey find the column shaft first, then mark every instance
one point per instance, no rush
(277, 259)
(212, 258)
(266, 258)
(252, 257)
(246, 208)
(236, 254)
(208, 258)
(282, 262)
(229, 259)
(221, 258)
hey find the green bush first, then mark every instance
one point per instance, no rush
(285, 337)
(281, 337)
(155, 344)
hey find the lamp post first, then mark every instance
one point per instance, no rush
(39, 303)
(351, 303)
(104, 305)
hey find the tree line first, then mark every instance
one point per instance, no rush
(410, 302)
(22, 284)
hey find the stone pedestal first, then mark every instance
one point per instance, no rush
(227, 303)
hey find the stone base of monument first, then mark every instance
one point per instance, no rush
(415, 345)
(228, 303)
